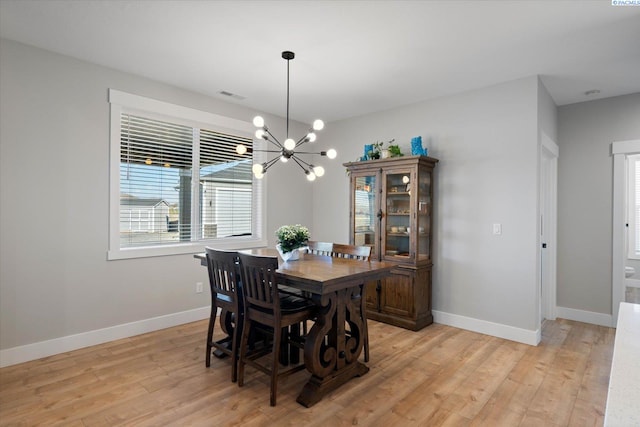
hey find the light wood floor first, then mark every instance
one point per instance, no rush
(438, 376)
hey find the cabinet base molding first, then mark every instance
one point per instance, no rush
(412, 325)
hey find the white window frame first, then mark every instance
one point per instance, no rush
(122, 102)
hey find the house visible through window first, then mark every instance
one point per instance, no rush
(180, 182)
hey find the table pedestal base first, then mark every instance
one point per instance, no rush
(316, 388)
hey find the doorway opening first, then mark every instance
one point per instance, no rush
(621, 152)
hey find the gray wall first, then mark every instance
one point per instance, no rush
(585, 192)
(487, 144)
(55, 280)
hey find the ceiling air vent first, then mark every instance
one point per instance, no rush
(231, 95)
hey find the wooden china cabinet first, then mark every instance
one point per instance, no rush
(391, 203)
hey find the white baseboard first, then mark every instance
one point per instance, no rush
(585, 316)
(511, 333)
(25, 353)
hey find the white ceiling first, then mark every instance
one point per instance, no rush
(352, 57)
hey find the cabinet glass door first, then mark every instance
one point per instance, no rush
(424, 215)
(397, 232)
(365, 211)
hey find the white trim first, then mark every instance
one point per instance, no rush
(584, 316)
(507, 332)
(185, 113)
(187, 248)
(25, 353)
(548, 144)
(625, 147)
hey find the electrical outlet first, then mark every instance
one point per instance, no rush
(199, 287)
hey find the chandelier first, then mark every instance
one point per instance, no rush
(287, 151)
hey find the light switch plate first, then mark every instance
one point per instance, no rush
(497, 229)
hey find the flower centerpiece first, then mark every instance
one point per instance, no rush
(290, 239)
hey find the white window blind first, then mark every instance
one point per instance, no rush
(226, 180)
(155, 181)
(180, 182)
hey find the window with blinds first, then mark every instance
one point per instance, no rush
(180, 184)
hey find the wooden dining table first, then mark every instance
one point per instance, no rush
(335, 341)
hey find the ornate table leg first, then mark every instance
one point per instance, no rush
(330, 354)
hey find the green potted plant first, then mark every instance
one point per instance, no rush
(290, 239)
(394, 150)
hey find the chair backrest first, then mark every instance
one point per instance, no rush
(223, 275)
(259, 282)
(351, 251)
(320, 248)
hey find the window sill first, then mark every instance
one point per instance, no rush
(184, 249)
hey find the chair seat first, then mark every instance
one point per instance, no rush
(293, 303)
(289, 304)
(284, 289)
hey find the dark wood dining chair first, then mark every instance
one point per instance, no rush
(351, 251)
(319, 248)
(362, 253)
(224, 276)
(265, 305)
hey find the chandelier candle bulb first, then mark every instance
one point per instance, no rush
(258, 121)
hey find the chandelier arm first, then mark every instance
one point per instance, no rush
(268, 164)
(309, 152)
(298, 160)
(268, 151)
(274, 140)
(301, 140)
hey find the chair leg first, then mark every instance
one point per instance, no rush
(284, 348)
(243, 352)
(237, 334)
(277, 339)
(212, 322)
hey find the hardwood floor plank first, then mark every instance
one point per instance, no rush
(508, 405)
(555, 398)
(439, 376)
